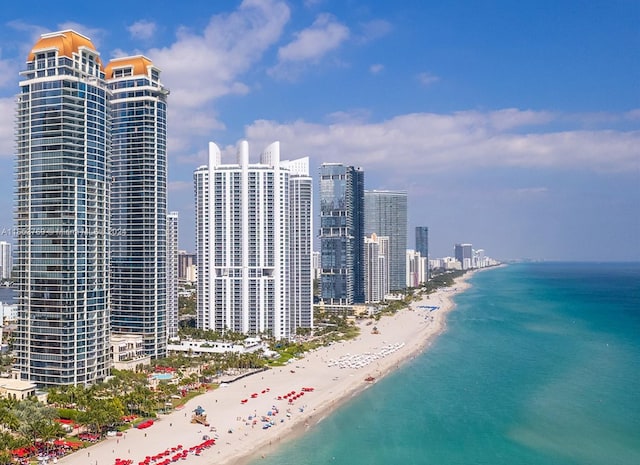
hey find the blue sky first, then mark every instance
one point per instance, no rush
(512, 125)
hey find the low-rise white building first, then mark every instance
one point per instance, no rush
(9, 312)
(16, 389)
(198, 347)
(127, 352)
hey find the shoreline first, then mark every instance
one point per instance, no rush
(235, 412)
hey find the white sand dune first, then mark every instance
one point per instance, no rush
(241, 439)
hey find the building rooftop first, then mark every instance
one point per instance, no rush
(66, 42)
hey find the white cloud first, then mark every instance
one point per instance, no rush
(374, 30)
(34, 32)
(531, 191)
(311, 44)
(8, 72)
(375, 69)
(142, 29)
(95, 34)
(413, 145)
(200, 67)
(427, 79)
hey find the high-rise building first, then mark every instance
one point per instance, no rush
(315, 259)
(139, 201)
(62, 213)
(244, 243)
(422, 241)
(376, 268)
(172, 275)
(385, 214)
(422, 246)
(464, 254)
(417, 266)
(6, 260)
(342, 234)
(186, 264)
(300, 244)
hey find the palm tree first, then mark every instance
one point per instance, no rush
(35, 420)
(9, 442)
(8, 418)
(102, 413)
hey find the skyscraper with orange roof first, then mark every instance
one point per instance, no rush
(139, 201)
(62, 213)
(91, 209)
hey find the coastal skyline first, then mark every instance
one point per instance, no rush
(511, 126)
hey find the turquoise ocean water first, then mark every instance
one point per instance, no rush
(540, 365)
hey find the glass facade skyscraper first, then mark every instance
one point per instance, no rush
(422, 246)
(139, 202)
(422, 241)
(62, 213)
(342, 279)
(385, 214)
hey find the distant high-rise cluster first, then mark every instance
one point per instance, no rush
(465, 258)
(464, 254)
(253, 244)
(417, 268)
(187, 269)
(90, 209)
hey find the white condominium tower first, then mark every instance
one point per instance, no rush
(172, 275)
(139, 202)
(245, 250)
(6, 260)
(376, 268)
(300, 244)
(62, 213)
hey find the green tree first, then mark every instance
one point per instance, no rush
(35, 420)
(102, 414)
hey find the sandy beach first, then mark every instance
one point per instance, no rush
(335, 374)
